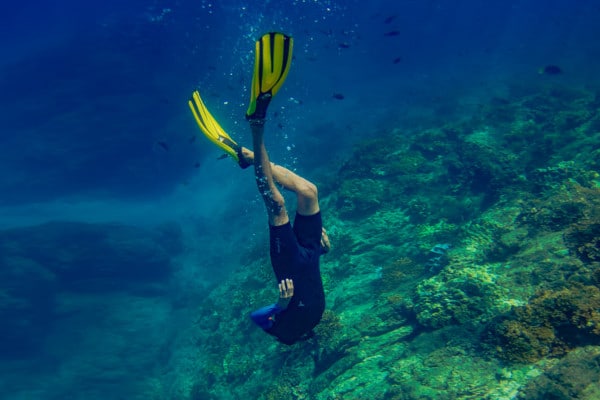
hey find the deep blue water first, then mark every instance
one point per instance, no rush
(95, 128)
(88, 91)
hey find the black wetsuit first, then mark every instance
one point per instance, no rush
(295, 255)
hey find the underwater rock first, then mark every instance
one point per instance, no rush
(551, 324)
(458, 297)
(95, 256)
(575, 376)
(360, 197)
(485, 166)
(519, 214)
(395, 272)
(560, 207)
(583, 237)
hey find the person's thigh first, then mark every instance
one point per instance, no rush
(284, 250)
(308, 229)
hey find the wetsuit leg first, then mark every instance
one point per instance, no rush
(308, 230)
(285, 251)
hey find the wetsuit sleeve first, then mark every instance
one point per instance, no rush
(262, 316)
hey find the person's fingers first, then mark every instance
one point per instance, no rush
(286, 288)
(325, 244)
(324, 237)
(283, 289)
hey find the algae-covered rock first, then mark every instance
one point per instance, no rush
(551, 324)
(583, 237)
(456, 297)
(360, 197)
(510, 194)
(573, 377)
(444, 366)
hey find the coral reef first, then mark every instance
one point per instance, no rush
(359, 197)
(501, 308)
(551, 324)
(455, 297)
(573, 377)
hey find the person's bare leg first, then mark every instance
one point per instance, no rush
(306, 191)
(264, 178)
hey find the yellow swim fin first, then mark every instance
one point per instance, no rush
(213, 131)
(271, 66)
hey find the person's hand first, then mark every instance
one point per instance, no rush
(286, 292)
(325, 244)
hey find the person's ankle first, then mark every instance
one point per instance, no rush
(256, 122)
(248, 155)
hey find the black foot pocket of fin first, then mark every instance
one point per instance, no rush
(262, 104)
(272, 62)
(242, 160)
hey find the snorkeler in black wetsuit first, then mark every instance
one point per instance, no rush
(295, 251)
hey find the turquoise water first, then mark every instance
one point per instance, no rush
(130, 254)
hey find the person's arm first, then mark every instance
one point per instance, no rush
(265, 316)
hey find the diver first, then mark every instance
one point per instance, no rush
(294, 249)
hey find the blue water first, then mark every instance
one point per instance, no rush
(97, 145)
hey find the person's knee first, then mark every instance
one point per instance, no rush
(308, 190)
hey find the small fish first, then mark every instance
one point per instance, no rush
(550, 70)
(392, 33)
(397, 60)
(192, 139)
(164, 145)
(344, 45)
(222, 157)
(389, 19)
(338, 96)
(196, 164)
(280, 125)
